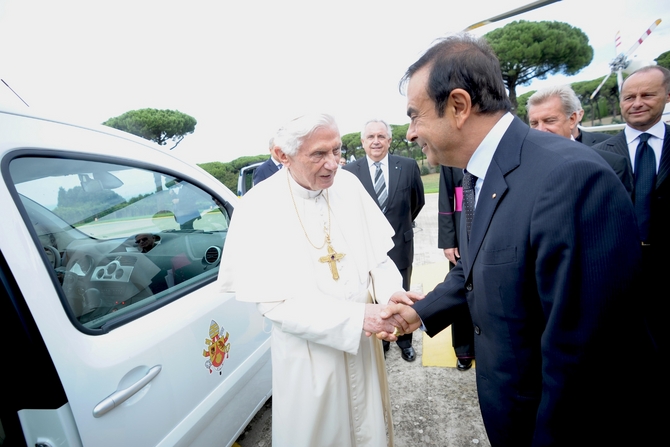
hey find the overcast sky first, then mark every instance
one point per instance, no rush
(244, 68)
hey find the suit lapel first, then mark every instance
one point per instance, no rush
(363, 173)
(506, 158)
(664, 167)
(493, 191)
(395, 171)
(618, 145)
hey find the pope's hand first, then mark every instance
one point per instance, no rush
(403, 316)
(374, 323)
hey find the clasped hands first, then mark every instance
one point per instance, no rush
(390, 321)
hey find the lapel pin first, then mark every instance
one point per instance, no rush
(494, 196)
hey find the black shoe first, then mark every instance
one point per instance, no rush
(408, 354)
(463, 364)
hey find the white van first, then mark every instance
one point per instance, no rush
(113, 332)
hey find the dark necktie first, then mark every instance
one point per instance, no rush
(279, 165)
(380, 186)
(469, 182)
(645, 177)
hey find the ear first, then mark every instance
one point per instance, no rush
(573, 120)
(459, 105)
(280, 156)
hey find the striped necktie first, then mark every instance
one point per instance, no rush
(380, 186)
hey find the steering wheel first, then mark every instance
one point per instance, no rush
(55, 256)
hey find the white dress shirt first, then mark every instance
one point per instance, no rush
(657, 133)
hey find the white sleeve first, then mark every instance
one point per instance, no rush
(330, 322)
(387, 280)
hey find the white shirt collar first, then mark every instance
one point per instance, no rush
(657, 130)
(384, 161)
(481, 158)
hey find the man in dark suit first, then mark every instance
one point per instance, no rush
(548, 266)
(269, 167)
(556, 109)
(644, 95)
(448, 234)
(588, 138)
(398, 190)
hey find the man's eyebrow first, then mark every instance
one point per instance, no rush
(410, 110)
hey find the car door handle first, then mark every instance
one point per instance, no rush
(118, 397)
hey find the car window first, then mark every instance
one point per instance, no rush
(120, 239)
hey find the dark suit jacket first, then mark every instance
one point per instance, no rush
(660, 201)
(620, 166)
(617, 162)
(405, 200)
(548, 275)
(264, 171)
(591, 138)
(653, 292)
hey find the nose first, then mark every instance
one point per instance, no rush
(332, 161)
(411, 133)
(637, 101)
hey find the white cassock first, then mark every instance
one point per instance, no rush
(326, 383)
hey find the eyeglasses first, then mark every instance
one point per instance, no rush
(139, 241)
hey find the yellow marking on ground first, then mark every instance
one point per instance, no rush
(437, 351)
(429, 275)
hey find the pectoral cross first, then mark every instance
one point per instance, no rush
(331, 258)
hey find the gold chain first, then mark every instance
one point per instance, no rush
(326, 238)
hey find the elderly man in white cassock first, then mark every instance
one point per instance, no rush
(309, 245)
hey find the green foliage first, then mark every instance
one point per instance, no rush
(664, 60)
(606, 101)
(351, 145)
(77, 206)
(241, 162)
(400, 145)
(227, 173)
(155, 125)
(223, 172)
(533, 50)
(522, 111)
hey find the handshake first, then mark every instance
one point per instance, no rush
(396, 318)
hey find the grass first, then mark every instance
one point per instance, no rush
(431, 183)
